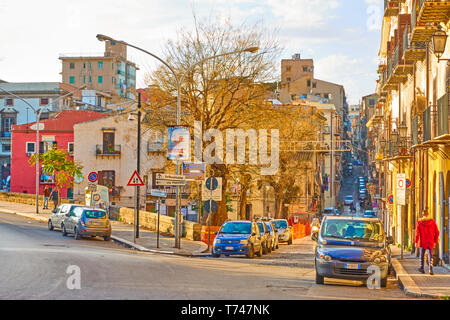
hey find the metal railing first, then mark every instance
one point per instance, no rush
(102, 149)
(443, 115)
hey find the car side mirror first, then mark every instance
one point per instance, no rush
(314, 236)
(216, 233)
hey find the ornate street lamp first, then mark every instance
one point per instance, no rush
(403, 130)
(394, 136)
(439, 41)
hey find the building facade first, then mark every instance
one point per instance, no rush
(412, 119)
(57, 131)
(110, 72)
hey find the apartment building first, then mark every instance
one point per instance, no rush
(110, 72)
(411, 123)
(298, 81)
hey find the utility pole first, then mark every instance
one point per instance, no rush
(138, 165)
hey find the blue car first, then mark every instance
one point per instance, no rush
(238, 238)
(349, 248)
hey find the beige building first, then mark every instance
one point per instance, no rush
(297, 81)
(108, 146)
(109, 72)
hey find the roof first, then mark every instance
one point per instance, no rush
(63, 121)
(30, 87)
(351, 218)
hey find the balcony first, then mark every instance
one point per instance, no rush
(443, 115)
(107, 150)
(391, 8)
(401, 67)
(5, 134)
(433, 11)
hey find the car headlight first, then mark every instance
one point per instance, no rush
(244, 241)
(380, 259)
(325, 257)
(216, 241)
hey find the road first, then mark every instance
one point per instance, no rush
(34, 264)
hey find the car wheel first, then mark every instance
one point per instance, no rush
(269, 248)
(50, 225)
(64, 231)
(214, 254)
(260, 252)
(290, 241)
(383, 282)
(264, 250)
(319, 279)
(77, 235)
(107, 238)
(251, 253)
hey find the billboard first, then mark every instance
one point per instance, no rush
(178, 143)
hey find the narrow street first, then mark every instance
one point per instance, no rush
(110, 271)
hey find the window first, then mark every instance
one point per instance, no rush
(107, 178)
(6, 148)
(71, 79)
(84, 79)
(8, 119)
(90, 79)
(288, 68)
(100, 79)
(9, 102)
(72, 65)
(100, 64)
(90, 65)
(314, 84)
(84, 65)
(30, 147)
(326, 96)
(43, 101)
(371, 102)
(305, 69)
(108, 143)
(308, 83)
(288, 80)
(70, 146)
(44, 146)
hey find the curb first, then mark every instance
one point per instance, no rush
(408, 285)
(129, 244)
(26, 215)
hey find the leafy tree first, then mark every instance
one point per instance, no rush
(56, 162)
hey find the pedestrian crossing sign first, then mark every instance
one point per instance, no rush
(135, 180)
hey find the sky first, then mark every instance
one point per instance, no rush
(342, 36)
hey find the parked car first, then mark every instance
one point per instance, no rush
(370, 214)
(265, 237)
(284, 230)
(362, 195)
(347, 247)
(348, 200)
(274, 243)
(85, 221)
(56, 218)
(331, 211)
(238, 238)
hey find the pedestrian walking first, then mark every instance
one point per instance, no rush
(55, 197)
(427, 235)
(47, 193)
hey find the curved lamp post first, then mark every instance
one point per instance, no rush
(38, 115)
(179, 80)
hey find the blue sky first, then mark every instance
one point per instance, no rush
(342, 36)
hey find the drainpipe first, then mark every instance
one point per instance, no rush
(441, 218)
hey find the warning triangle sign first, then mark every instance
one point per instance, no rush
(135, 180)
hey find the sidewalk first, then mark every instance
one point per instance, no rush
(121, 233)
(417, 284)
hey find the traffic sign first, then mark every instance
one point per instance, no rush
(216, 184)
(170, 182)
(194, 171)
(211, 183)
(96, 197)
(408, 183)
(391, 199)
(374, 204)
(93, 177)
(162, 176)
(135, 180)
(206, 206)
(158, 193)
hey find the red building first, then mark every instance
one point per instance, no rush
(54, 131)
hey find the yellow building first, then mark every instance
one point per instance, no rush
(413, 118)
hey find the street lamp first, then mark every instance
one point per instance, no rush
(439, 41)
(38, 115)
(179, 80)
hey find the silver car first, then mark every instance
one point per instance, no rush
(56, 218)
(84, 221)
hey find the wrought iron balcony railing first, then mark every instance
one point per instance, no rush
(107, 150)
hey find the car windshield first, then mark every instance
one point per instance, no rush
(269, 226)
(73, 208)
(281, 224)
(356, 230)
(237, 228)
(94, 214)
(349, 198)
(261, 227)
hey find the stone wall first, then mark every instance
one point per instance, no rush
(149, 220)
(30, 199)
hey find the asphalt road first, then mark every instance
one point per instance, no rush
(34, 264)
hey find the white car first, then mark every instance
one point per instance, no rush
(348, 200)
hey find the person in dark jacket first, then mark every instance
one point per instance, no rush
(427, 235)
(54, 196)
(47, 193)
